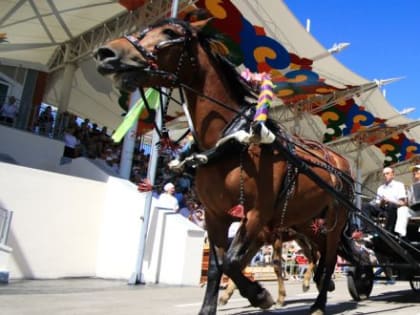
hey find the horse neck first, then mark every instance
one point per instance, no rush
(209, 118)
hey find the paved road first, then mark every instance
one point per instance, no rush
(96, 296)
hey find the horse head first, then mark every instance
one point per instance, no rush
(175, 53)
(163, 54)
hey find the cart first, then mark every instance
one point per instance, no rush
(398, 256)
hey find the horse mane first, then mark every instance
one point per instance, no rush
(241, 90)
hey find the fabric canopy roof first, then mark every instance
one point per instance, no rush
(318, 97)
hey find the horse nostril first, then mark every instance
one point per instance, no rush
(104, 53)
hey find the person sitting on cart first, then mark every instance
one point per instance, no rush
(404, 213)
(390, 196)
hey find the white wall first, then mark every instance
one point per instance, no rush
(184, 248)
(68, 226)
(29, 149)
(56, 222)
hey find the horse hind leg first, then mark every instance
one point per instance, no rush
(227, 293)
(306, 283)
(233, 262)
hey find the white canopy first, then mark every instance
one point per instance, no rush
(46, 34)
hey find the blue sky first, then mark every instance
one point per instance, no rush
(384, 38)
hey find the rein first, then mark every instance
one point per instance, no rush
(151, 58)
(185, 39)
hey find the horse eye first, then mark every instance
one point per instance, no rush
(170, 33)
(143, 33)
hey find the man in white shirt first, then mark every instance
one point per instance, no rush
(404, 213)
(389, 197)
(167, 198)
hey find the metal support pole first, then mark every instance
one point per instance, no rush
(129, 143)
(137, 276)
(358, 187)
(65, 93)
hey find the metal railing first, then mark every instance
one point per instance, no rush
(5, 222)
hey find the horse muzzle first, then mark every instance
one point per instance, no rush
(110, 61)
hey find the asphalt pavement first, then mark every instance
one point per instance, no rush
(98, 296)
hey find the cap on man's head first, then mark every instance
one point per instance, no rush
(387, 170)
(168, 187)
(414, 167)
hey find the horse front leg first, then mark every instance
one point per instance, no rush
(214, 275)
(236, 257)
(217, 231)
(278, 269)
(325, 270)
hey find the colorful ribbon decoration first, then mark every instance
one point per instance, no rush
(265, 98)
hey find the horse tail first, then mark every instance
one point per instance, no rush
(352, 250)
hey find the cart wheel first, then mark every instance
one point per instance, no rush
(360, 282)
(415, 285)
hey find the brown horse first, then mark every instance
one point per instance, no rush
(279, 186)
(310, 253)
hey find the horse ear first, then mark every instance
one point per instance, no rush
(198, 18)
(199, 25)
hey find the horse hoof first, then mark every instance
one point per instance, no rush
(222, 301)
(317, 312)
(280, 302)
(305, 287)
(265, 300)
(331, 287)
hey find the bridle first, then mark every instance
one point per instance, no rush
(151, 57)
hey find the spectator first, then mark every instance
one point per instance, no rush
(103, 141)
(389, 197)
(290, 258)
(302, 263)
(404, 213)
(167, 198)
(8, 112)
(258, 259)
(267, 251)
(71, 145)
(83, 136)
(92, 143)
(186, 210)
(197, 216)
(46, 121)
(109, 156)
(72, 122)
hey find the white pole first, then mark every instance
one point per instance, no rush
(358, 186)
(127, 150)
(137, 276)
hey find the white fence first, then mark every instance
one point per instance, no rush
(5, 221)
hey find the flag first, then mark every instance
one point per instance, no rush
(134, 113)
